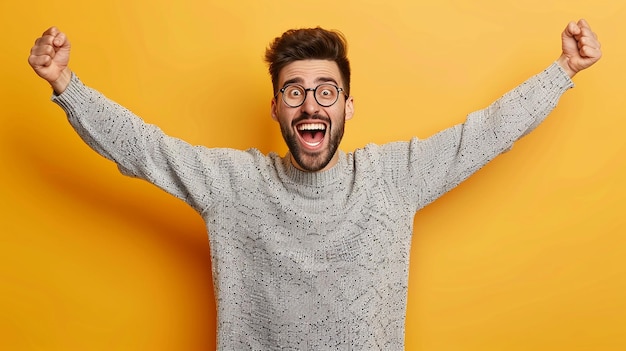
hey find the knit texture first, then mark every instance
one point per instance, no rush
(311, 261)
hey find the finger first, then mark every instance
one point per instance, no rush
(39, 61)
(589, 52)
(51, 31)
(586, 29)
(586, 32)
(42, 50)
(60, 39)
(44, 40)
(589, 38)
(582, 23)
(586, 42)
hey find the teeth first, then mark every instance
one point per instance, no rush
(312, 126)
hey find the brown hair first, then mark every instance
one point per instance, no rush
(307, 44)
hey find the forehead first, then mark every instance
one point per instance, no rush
(310, 72)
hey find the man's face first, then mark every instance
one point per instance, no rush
(312, 132)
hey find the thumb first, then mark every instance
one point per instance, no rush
(572, 30)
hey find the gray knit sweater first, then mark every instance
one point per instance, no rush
(311, 261)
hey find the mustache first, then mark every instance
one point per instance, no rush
(306, 116)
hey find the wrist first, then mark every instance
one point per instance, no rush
(61, 83)
(563, 61)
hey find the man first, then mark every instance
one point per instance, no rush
(310, 251)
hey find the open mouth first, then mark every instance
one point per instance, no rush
(311, 134)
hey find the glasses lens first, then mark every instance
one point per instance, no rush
(294, 95)
(326, 94)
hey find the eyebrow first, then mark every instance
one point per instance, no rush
(318, 80)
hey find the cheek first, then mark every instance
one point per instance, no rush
(283, 116)
(339, 114)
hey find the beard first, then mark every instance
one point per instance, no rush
(313, 161)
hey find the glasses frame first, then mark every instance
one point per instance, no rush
(306, 90)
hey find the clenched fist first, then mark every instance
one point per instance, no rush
(581, 47)
(49, 57)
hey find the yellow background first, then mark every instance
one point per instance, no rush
(528, 254)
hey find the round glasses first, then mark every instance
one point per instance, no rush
(325, 94)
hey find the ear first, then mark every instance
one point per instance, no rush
(349, 108)
(274, 109)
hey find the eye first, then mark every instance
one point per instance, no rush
(326, 92)
(295, 92)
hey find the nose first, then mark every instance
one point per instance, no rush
(310, 105)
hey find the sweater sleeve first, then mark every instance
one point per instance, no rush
(439, 163)
(142, 150)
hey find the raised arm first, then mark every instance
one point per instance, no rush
(447, 158)
(139, 149)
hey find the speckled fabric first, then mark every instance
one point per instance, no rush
(311, 261)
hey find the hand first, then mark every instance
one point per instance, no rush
(49, 57)
(581, 47)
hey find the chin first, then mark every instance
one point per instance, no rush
(314, 164)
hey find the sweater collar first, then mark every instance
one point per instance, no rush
(291, 174)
